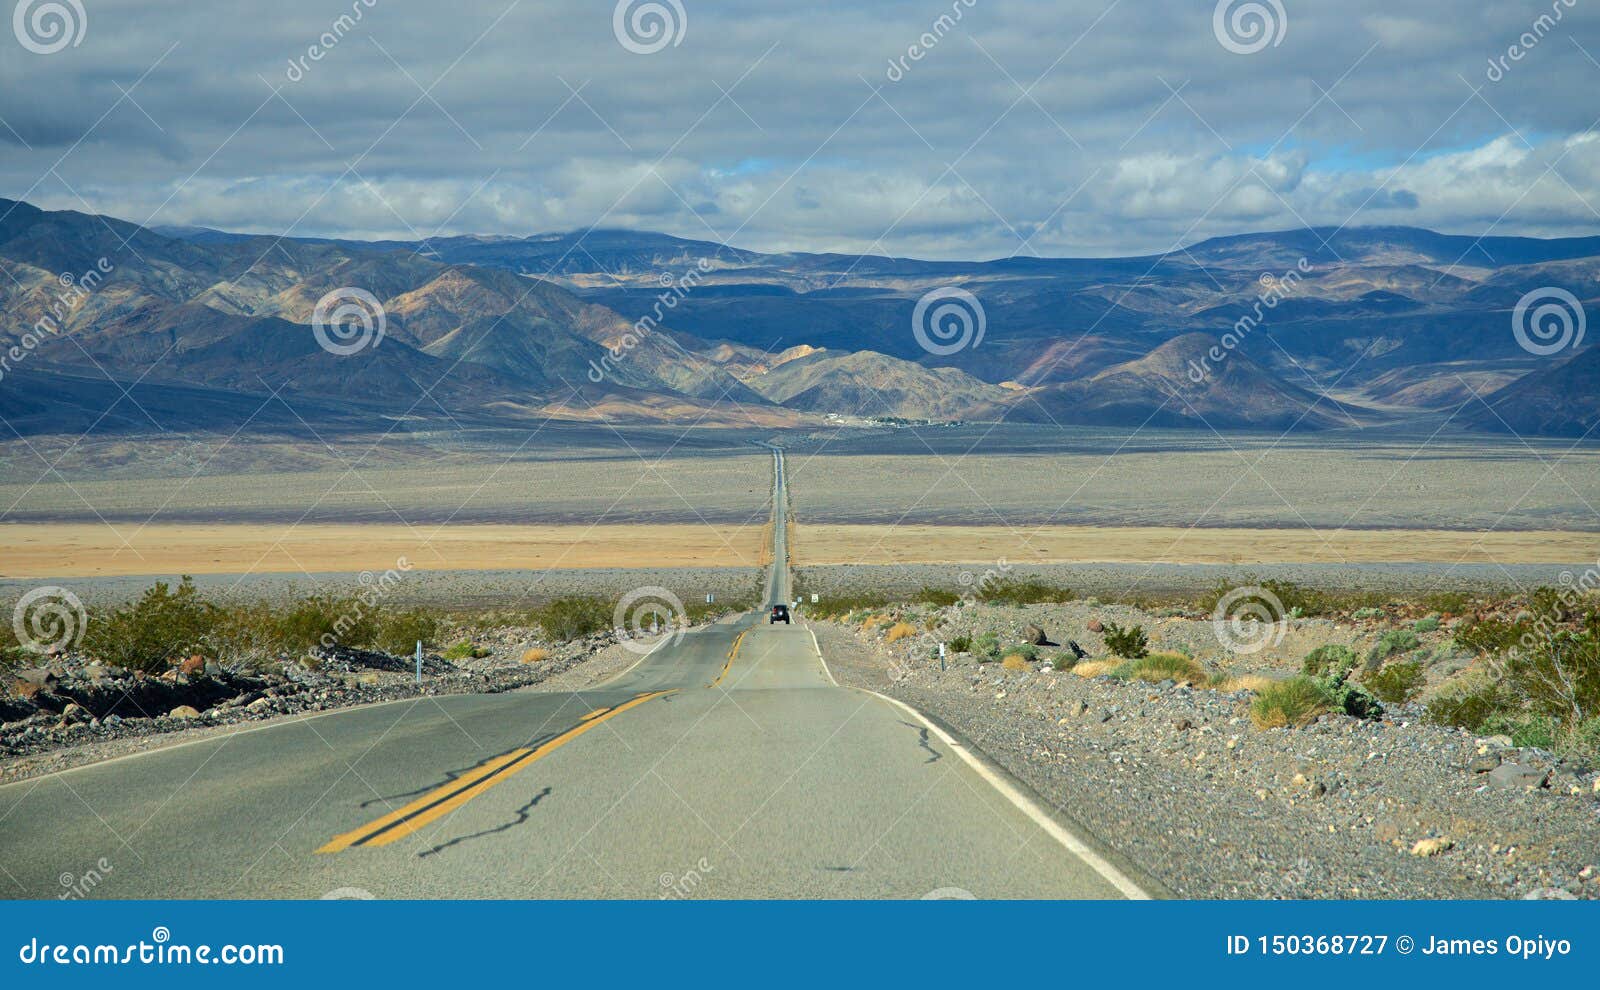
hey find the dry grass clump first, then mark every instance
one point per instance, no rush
(1095, 668)
(535, 654)
(1230, 683)
(1014, 661)
(1296, 702)
(900, 630)
(1163, 667)
(872, 622)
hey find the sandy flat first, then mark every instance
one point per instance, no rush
(99, 550)
(921, 544)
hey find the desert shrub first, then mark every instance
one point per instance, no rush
(986, 647)
(1162, 667)
(1014, 662)
(573, 617)
(900, 630)
(400, 632)
(1026, 651)
(1297, 600)
(1331, 660)
(1016, 591)
(1391, 643)
(937, 596)
(1492, 635)
(346, 621)
(535, 654)
(1469, 705)
(1446, 602)
(1525, 730)
(1427, 625)
(1370, 612)
(1294, 702)
(1094, 668)
(465, 650)
(1130, 643)
(1559, 677)
(960, 644)
(163, 625)
(1065, 661)
(1396, 683)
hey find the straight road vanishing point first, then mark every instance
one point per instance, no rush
(726, 764)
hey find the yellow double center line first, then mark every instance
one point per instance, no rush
(729, 665)
(442, 800)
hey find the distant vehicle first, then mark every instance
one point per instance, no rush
(780, 613)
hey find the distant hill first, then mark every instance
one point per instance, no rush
(865, 383)
(1563, 400)
(1181, 384)
(605, 325)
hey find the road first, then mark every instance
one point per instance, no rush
(727, 763)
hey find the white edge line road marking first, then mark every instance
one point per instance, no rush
(1037, 815)
(818, 648)
(1053, 828)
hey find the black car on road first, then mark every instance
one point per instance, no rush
(780, 613)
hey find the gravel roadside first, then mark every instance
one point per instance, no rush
(1179, 781)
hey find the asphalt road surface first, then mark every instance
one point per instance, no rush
(725, 764)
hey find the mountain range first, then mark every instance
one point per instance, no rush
(106, 324)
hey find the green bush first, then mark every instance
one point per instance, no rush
(1525, 730)
(1469, 706)
(960, 644)
(465, 650)
(1393, 642)
(1428, 625)
(1011, 591)
(937, 596)
(162, 626)
(1065, 661)
(1162, 667)
(401, 632)
(1295, 702)
(1447, 602)
(1026, 651)
(1396, 683)
(1331, 660)
(1130, 643)
(346, 621)
(986, 647)
(573, 617)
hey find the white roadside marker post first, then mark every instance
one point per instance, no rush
(419, 661)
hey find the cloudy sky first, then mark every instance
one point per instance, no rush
(931, 128)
